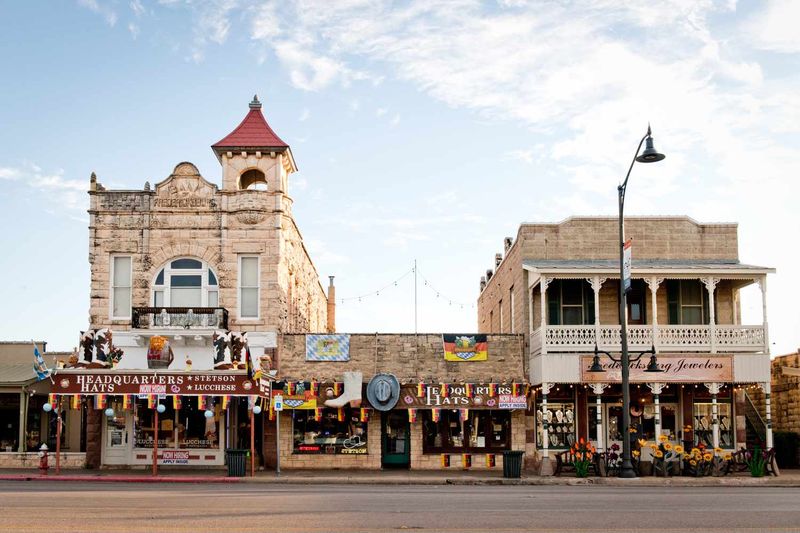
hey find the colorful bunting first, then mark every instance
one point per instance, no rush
(515, 388)
(490, 460)
(202, 403)
(75, 401)
(127, 401)
(420, 390)
(337, 388)
(445, 460)
(151, 401)
(466, 460)
(445, 390)
(412, 415)
(226, 398)
(176, 402)
(51, 399)
(469, 390)
(314, 387)
(100, 401)
(463, 414)
(340, 414)
(364, 415)
(435, 414)
(290, 388)
(317, 414)
(492, 390)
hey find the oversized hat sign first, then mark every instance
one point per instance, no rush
(383, 391)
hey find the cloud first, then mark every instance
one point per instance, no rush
(134, 29)
(137, 8)
(62, 192)
(775, 28)
(525, 156)
(108, 14)
(304, 115)
(381, 111)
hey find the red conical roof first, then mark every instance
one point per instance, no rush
(253, 132)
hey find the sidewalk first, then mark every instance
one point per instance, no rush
(788, 478)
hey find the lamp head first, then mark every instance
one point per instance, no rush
(596, 366)
(650, 154)
(652, 366)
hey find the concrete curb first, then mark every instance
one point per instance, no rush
(346, 480)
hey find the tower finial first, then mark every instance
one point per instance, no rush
(255, 104)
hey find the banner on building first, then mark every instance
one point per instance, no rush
(180, 384)
(675, 368)
(305, 400)
(471, 347)
(459, 397)
(328, 348)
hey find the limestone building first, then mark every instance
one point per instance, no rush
(235, 251)
(558, 284)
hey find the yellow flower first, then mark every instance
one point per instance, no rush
(667, 446)
(659, 454)
(728, 456)
(693, 462)
(654, 447)
(678, 448)
(717, 450)
(708, 456)
(695, 450)
(687, 456)
(636, 453)
(642, 442)
(662, 438)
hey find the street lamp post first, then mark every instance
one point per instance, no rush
(649, 155)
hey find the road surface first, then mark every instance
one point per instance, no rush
(233, 508)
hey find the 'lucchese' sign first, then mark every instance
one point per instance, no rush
(181, 384)
(675, 368)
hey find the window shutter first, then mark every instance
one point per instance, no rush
(673, 300)
(554, 303)
(588, 304)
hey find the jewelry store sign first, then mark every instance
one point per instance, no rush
(675, 368)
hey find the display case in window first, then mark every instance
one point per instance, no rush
(482, 431)
(329, 435)
(702, 419)
(561, 424)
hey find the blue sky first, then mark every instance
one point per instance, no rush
(423, 130)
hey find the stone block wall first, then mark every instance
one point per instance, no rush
(30, 460)
(785, 394)
(407, 356)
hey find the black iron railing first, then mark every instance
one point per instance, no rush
(179, 317)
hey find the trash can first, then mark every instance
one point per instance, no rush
(512, 464)
(237, 462)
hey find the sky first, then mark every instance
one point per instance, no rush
(423, 130)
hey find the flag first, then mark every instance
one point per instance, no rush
(490, 460)
(176, 402)
(492, 390)
(75, 401)
(337, 388)
(435, 413)
(314, 387)
(420, 390)
(151, 401)
(515, 388)
(127, 401)
(100, 401)
(364, 415)
(445, 460)
(39, 366)
(290, 388)
(340, 414)
(445, 391)
(271, 411)
(51, 399)
(317, 414)
(466, 460)
(463, 414)
(226, 398)
(468, 387)
(412, 415)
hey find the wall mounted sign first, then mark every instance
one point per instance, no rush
(465, 348)
(676, 368)
(458, 397)
(328, 348)
(178, 383)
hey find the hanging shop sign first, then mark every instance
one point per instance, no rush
(462, 396)
(465, 348)
(675, 368)
(303, 400)
(179, 383)
(626, 266)
(328, 348)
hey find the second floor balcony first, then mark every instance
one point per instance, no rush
(690, 307)
(179, 318)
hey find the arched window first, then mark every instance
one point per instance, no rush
(253, 180)
(186, 282)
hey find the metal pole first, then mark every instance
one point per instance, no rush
(252, 444)
(627, 467)
(58, 435)
(415, 296)
(155, 440)
(278, 443)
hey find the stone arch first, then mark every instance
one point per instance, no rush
(251, 178)
(185, 249)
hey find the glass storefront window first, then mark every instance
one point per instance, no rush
(188, 428)
(9, 422)
(669, 417)
(329, 435)
(560, 417)
(703, 424)
(483, 431)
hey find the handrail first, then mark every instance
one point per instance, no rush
(179, 317)
(754, 417)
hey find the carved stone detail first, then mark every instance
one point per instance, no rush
(251, 217)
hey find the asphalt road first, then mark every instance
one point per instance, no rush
(113, 507)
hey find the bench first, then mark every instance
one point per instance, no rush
(565, 460)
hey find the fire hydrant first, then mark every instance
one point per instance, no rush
(43, 457)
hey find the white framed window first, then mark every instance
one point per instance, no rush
(121, 286)
(185, 282)
(249, 281)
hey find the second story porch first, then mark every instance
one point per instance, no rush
(675, 306)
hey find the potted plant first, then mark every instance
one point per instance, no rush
(756, 462)
(582, 456)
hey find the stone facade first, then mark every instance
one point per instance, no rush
(785, 393)
(597, 238)
(186, 216)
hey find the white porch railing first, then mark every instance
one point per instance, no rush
(699, 338)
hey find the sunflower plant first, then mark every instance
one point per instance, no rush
(582, 456)
(703, 461)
